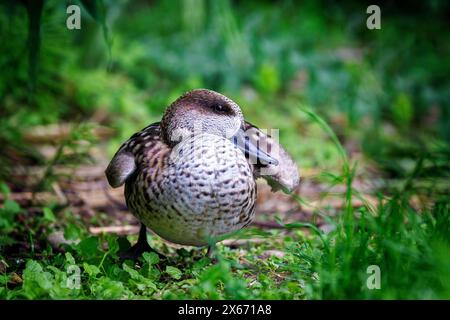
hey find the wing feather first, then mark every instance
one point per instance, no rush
(131, 153)
(283, 175)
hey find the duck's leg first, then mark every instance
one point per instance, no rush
(140, 247)
(211, 253)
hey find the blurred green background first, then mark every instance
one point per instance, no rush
(384, 93)
(387, 89)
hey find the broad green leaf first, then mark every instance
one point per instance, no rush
(106, 288)
(113, 244)
(88, 247)
(11, 206)
(133, 273)
(49, 215)
(174, 272)
(90, 269)
(72, 232)
(150, 257)
(4, 189)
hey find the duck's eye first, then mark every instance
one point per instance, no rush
(219, 108)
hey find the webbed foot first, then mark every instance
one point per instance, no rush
(140, 247)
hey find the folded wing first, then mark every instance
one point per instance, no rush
(285, 174)
(131, 153)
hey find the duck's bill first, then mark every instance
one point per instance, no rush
(251, 149)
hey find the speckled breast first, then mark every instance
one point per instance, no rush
(206, 189)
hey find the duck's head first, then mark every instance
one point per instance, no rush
(206, 111)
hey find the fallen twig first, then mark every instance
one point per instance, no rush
(122, 230)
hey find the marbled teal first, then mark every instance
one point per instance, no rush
(191, 177)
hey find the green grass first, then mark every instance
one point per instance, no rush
(410, 247)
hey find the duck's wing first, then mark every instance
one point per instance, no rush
(132, 153)
(285, 174)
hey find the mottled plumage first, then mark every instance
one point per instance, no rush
(189, 185)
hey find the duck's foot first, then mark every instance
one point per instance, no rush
(140, 247)
(137, 250)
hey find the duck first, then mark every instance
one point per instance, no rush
(191, 178)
